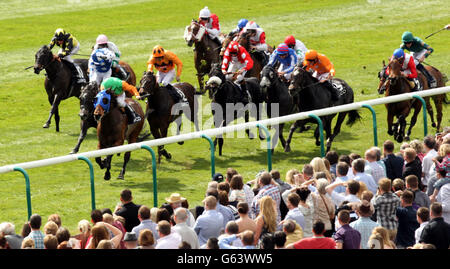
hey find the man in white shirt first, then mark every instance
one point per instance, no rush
(444, 198)
(187, 233)
(372, 167)
(423, 217)
(352, 188)
(167, 238)
(358, 170)
(427, 162)
(294, 212)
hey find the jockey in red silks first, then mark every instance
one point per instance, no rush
(211, 22)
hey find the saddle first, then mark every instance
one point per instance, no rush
(415, 85)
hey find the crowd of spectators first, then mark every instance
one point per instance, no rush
(384, 200)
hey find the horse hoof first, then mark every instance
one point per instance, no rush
(120, 177)
(433, 125)
(317, 143)
(107, 176)
(46, 125)
(390, 132)
(287, 149)
(407, 138)
(169, 156)
(73, 151)
(181, 143)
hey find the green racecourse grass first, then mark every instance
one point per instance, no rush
(355, 35)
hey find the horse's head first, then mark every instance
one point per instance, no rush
(42, 58)
(194, 32)
(148, 84)
(395, 71)
(87, 96)
(216, 78)
(102, 103)
(382, 76)
(244, 40)
(300, 78)
(268, 77)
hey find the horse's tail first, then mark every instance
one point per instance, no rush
(353, 116)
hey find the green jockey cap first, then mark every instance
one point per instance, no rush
(407, 37)
(114, 84)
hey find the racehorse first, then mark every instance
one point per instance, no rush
(395, 84)
(276, 92)
(86, 113)
(113, 128)
(206, 51)
(58, 81)
(313, 95)
(437, 99)
(224, 93)
(131, 76)
(162, 109)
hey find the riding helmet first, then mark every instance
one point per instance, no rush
(398, 53)
(205, 13)
(158, 51)
(102, 39)
(60, 33)
(242, 22)
(407, 37)
(282, 49)
(233, 47)
(289, 40)
(311, 55)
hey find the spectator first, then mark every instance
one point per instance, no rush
(146, 239)
(324, 209)
(266, 242)
(245, 222)
(358, 170)
(55, 218)
(354, 156)
(372, 167)
(66, 245)
(128, 210)
(217, 177)
(146, 222)
(268, 188)
(407, 221)
(319, 241)
(346, 159)
(444, 165)
(377, 151)
(364, 225)
(26, 230)
(413, 166)
(290, 179)
(162, 214)
(168, 239)
(437, 232)
(3, 242)
(375, 241)
(85, 231)
(226, 212)
(293, 231)
(230, 173)
(28, 243)
(131, 240)
(306, 206)
(341, 175)
(266, 222)
(427, 163)
(247, 238)
(394, 164)
(223, 200)
(223, 186)
(420, 198)
(231, 229)
(386, 203)
(423, 217)
(187, 233)
(398, 186)
(36, 234)
(175, 201)
(212, 243)
(332, 157)
(351, 190)
(237, 193)
(96, 216)
(294, 212)
(62, 235)
(50, 228)
(184, 245)
(385, 234)
(444, 198)
(249, 195)
(279, 239)
(210, 223)
(100, 231)
(417, 146)
(105, 244)
(319, 166)
(50, 242)
(108, 218)
(8, 230)
(283, 186)
(346, 237)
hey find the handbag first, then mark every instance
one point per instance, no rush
(328, 211)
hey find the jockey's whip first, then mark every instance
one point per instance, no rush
(435, 33)
(82, 54)
(29, 67)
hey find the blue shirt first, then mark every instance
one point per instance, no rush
(38, 238)
(146, 224)
(341, 189)
(225, 243)
(297, 216)
(364, 226)
(288, 63)
(368, 180)
(208, 225)
(226, 212)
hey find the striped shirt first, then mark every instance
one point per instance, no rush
(386, 207)
(38, 238)
(365, 226)
(267, 190)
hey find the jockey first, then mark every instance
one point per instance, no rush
(420, 50)
(297, 45)
(68, 45)
(236, 62)
(103, 42)
(118, 88)
(211, 22)
(408, 67)
(164, 61)
(241, 24)
(323, 70)
(257, 36)
(287, 59)
(100, 65)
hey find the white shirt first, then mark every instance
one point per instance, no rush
(427, 163)
(444, 198)
(338, 198)
(187, 234)
(418, 231)
(171, 241)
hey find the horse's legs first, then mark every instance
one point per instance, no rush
(295, 125)
(390, 120)
(55, 104)
(99, 161)
(337, 129)
(108, 167)
(438, 104)
(57, 118)
(84, 128)
(179, 121)
(164, 134)
(279, 134)
(126, 158)
(430, 110)
(316, 135)
(200, 83)
(413, 120)
(327, 127)
(247, 131)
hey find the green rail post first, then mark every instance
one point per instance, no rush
(424, 108)
(269, 146)
(27, 185)
(213, 159)
(91, 174)
(319, 121)
(155, 183)
(374, 124)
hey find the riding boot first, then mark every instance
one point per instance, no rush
(246, 97)
(333, 91)
(133, 117)
(78, 74)
(431, 81)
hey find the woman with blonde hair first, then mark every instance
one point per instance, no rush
(84, 226)
(100, 232)
(266, 222)
(324, 208)
(384, 233)
(417, 145)
(319, 166)
(290, 177)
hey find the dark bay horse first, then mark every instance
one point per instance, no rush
(276, 92)
(226, 101)
(437, 99)
(312, 95)
(58, 81)
(131, 78)
(162, 110)
(395, 84)
(113, 128)
(206, 51)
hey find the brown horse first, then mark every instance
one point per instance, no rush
(437, 99)
(395, 84)
(257, 56)
(131, 76)
(206, 51)
(162, 109)
(113, 129)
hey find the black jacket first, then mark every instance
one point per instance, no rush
(414, 168)
(394, 166)
(436, 232)
(129, 212)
